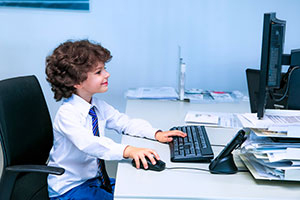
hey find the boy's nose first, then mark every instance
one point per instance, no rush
(107, 74)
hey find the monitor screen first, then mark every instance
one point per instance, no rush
(271, 59)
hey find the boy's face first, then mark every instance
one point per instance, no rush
(96, 82)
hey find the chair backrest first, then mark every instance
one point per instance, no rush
(25, 124)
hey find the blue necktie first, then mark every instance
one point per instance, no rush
(102, 171)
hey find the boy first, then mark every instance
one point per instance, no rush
(76, 71)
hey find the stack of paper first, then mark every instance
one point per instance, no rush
(267, 158)
(276, 123)
(272, 118)
(272, 150)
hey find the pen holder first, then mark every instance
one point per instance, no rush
(182, 80)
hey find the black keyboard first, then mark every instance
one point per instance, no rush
(195, 147)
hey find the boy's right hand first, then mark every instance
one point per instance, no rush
(138, 154)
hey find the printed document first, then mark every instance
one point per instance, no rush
(229, 120)
(203, 118)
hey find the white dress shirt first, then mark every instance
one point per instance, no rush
(76, 149)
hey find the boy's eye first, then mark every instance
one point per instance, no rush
(99, 71)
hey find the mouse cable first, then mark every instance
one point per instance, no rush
(200, 169)
(193, 168)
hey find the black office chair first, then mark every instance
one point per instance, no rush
(26, 139)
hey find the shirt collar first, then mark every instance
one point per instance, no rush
(81, 105)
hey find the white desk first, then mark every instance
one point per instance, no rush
(190, 184)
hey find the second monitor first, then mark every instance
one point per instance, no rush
(272, 85)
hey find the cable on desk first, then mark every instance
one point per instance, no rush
(192, 168)
(200, 169)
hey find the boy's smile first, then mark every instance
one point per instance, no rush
(105, 83)
(96, 82)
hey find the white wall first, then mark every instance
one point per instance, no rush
(219, 40)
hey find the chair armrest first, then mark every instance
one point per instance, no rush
(36, 168)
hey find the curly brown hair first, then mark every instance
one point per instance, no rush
(69, 64)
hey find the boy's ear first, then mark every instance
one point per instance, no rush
(77, 86)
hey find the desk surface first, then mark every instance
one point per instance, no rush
(190, 184)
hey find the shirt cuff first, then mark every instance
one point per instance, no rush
(152, 133)
(120, 149)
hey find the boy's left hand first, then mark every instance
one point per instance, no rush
(166, 136)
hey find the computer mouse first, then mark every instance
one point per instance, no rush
(159, 166)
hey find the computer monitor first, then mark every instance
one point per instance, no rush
(271, 55)
(272, 58)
